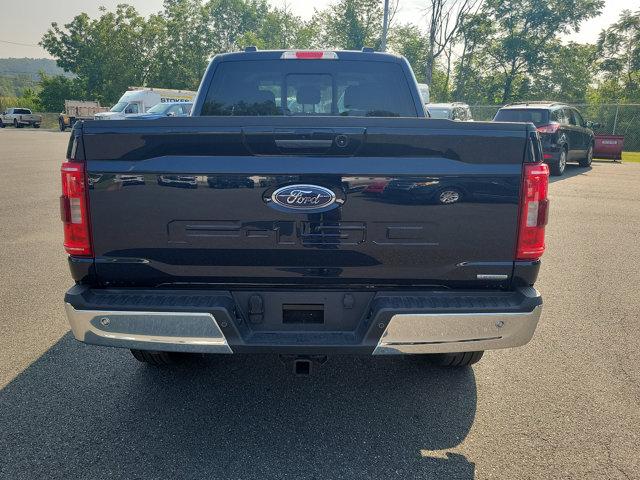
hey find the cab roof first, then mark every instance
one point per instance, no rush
(353, 55)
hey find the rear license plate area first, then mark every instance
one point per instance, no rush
(303, 314)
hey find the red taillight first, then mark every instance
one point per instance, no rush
(547, 156)
(551, 128)
(74, 210)
(534, 207)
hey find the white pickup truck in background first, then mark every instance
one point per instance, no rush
(19, 117)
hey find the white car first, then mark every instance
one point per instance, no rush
(452, 111)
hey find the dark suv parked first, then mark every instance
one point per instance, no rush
(565, 135)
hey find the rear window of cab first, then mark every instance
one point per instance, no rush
(308, 87)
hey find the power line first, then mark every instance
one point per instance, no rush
(21, 44)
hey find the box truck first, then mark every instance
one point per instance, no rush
(138, 100)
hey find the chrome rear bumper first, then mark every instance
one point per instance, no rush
(463, 332)
(167, 331)
(386, 323)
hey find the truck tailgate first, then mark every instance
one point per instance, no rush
(416, 201)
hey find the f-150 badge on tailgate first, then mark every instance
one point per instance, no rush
(303, 197)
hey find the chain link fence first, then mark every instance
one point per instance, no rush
(614, 119)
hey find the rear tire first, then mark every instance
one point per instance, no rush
(151, 357)
(586, 161)
(36, 125)
(455, 360)
(557, 168)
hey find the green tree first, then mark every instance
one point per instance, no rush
(471, 37)
(440, 89)
(350, 24)
(30, 97)
(170, 49)
(108, 53)
(30, 102)
(15, 84)
(55, 89)
(281, 29)
(410, 42)
(230, 20)
(524, 31)
(566, 74)
(445, 18)
(182, 44)
(619, 57)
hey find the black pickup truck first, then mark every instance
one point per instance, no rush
(306, 208)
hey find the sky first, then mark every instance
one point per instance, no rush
(20, 26)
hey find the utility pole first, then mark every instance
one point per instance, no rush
(385, 27)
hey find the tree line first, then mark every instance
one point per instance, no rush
(477, 51)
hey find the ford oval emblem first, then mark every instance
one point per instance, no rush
(303, 198)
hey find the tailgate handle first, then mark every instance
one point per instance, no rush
(300, 143)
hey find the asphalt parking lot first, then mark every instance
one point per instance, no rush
(567, 405)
